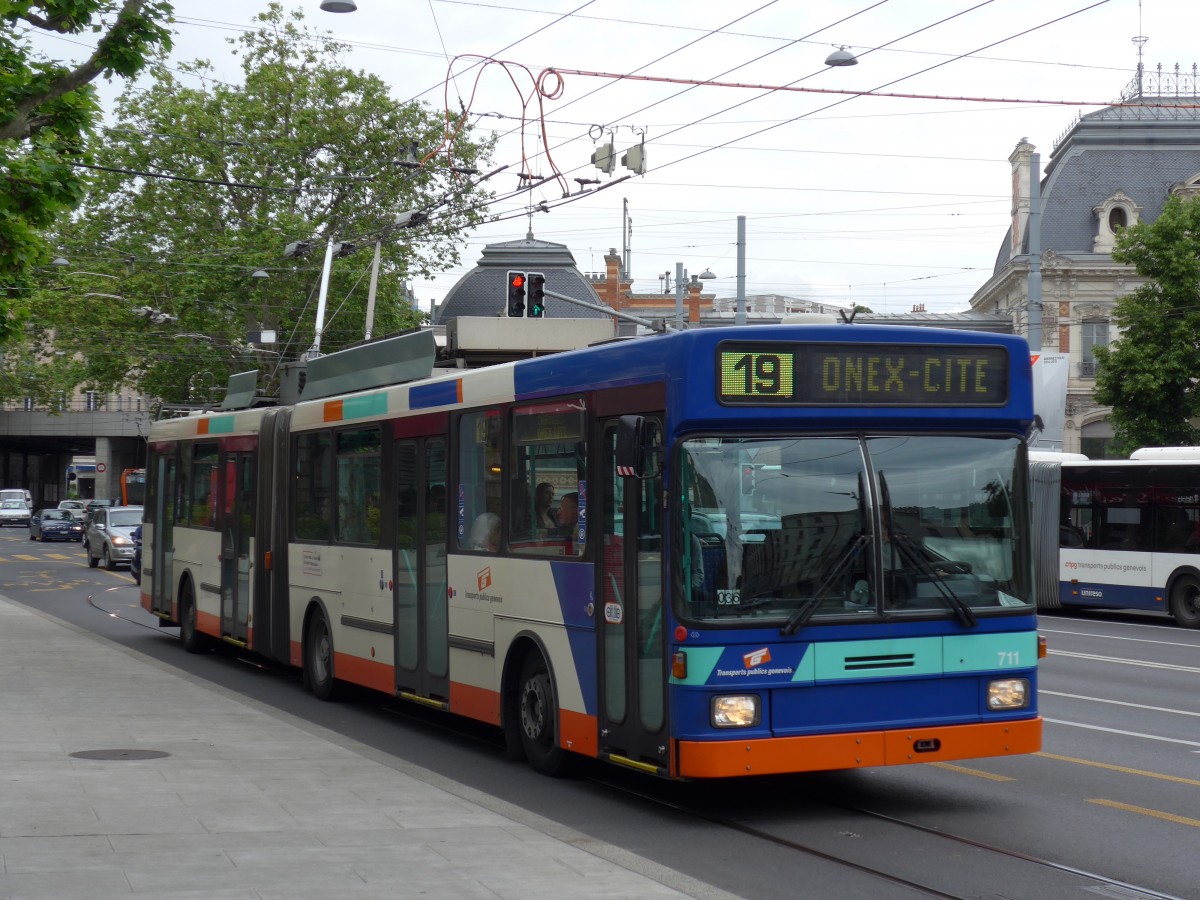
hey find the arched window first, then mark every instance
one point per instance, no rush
(1114, 214)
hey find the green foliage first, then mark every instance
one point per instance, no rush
(1148, 375)
(303, 149)
(46, 113)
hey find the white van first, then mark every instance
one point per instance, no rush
(17, 494)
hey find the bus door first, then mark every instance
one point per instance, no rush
(419, 570)
(162, 551)
(629, 619)
(236, 524)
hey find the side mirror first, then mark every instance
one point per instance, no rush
(638, 452)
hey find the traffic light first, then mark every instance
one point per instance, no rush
(537, 294)
(747, 479)
(516, 295)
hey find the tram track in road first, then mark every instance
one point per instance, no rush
(1101, 885)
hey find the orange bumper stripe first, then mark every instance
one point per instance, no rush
(814, 753)
(475, 702)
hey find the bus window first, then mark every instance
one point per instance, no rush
(480, 472)
(549, 503)
(311, 504)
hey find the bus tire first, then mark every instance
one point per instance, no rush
(318, 657)
(189, 635)
(537, 718)
(1185, 601)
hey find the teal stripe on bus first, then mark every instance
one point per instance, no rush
(983, 652)
(220, 425)
(368, 405)
(891, 658)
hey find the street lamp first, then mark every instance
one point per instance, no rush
(338, 6)
(841, 57)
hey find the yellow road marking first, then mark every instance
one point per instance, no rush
(965, 771)
(1170, 817)
(58, 556)
(26, 557)
(1125, 769)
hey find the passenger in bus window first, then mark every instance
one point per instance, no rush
(568, 513)
(544, 517)
(485, 533)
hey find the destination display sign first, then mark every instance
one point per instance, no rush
(797, 374)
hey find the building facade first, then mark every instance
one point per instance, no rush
(1110, 170)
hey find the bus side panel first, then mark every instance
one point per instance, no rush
(494, 602)
(193, 546)
(1103, 580)
(353, 585)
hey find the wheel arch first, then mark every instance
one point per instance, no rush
(523, 643)
(312, 607)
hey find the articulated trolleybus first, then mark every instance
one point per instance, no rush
(1129, 533)
(704, 554)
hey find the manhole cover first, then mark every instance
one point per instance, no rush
(120, 754)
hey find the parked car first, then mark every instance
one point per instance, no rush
(55, 525)
(14, 512)
(75, 507)
(108, 538)
(135, 565)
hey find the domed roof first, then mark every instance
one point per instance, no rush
(483, 290)
(1141, 151)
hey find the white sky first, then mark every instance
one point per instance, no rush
(887, 202)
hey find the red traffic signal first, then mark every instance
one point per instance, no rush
(516, 295)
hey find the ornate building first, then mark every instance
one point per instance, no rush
(1111, 169)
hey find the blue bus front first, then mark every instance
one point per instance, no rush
(849, 555)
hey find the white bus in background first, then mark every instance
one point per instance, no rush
(1129, 532)
(1153, 453)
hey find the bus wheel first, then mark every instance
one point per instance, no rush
(189, 636)
(318, 657)
(538, 717)
(1185, 601)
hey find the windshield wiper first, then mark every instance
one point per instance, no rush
(918, 561)
(901, 541)
(809, 606)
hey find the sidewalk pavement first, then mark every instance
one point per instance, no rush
(245, 801)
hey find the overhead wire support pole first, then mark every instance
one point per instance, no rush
(315, 350)
(371, 290)
(657, 325)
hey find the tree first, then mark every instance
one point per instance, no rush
(46, 114)
(1149, 373)
(207, 185)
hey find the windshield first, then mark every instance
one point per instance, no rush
(125, 518)
(802, 528)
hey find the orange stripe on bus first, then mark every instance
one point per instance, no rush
(333, 411)
(207, 623)
(202, 426)
(475, 702)
(370, 674)
(458, 389)
(821, 752)
(578, 732)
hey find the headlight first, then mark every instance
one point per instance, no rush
(121, 541)
(735, 711)
(1008, 693)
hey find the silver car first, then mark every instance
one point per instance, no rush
(109, 535)
(14, 512)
